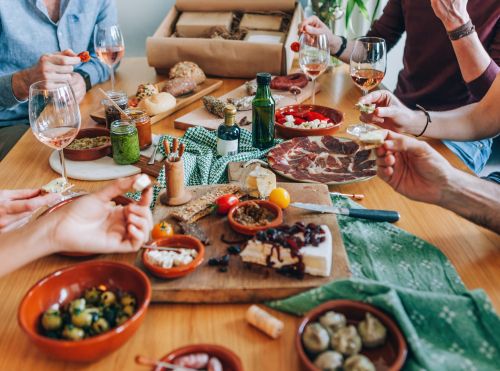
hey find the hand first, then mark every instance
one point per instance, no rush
(314, 26)
(413, 168)
(16, 205)
(392, 114)
(453, 13)
(92, 224)
(50, 67)
(78, 85)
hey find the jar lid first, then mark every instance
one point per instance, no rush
(263, 78)
(119, 97)
(122, 127)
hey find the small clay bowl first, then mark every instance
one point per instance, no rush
(91, 153)
(390, 356)
(119, 200)
(181, 241)
(70, 283)
(284, 131)
(250, 230)
(230, 361)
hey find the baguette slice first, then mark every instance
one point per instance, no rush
(202, 206)
(372, 139)
(57, 185)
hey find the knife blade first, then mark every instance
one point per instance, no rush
(374, 215)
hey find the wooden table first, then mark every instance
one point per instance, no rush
(473, 250)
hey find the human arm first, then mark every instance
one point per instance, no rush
(414, 169)
(477, 66)
(90, 224)
(473, 122)
(98, 71)
(390, 26)
(18, 205)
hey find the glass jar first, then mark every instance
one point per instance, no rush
(125, 143)
(110, 111)
(142, 122)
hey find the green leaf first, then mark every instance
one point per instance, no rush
(375, 10)
(348, 12)
(362, 8)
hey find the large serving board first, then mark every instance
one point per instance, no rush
(205, 88)
(201, 117)
(244, 283)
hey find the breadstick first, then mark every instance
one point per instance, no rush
(181, 150)
(264, 321)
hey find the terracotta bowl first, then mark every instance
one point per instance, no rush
(251, 230)
(177, 240)
(391, 356)
(120, 200)
(92, 153)
(229, 360)
(335, 115)
(70, 283)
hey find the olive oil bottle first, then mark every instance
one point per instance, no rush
(228, 133)
(263, 113)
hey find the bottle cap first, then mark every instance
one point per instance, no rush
(263, 78)
(229, 115)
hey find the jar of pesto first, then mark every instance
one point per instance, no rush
(125, 142)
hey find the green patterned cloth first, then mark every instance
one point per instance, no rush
(446, 326)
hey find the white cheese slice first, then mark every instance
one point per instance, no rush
(317, 259)
(373, 137)
(260, 182)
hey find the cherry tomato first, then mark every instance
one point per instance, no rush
(224, 203)
(295, 46)
(162, 230)
(84, 56)
(280, 197)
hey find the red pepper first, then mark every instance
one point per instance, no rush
(311, 116)
(84, 56)
(299, 121)
(295, 46)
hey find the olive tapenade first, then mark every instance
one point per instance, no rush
(252, 214)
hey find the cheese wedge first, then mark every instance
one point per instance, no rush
(260, 182)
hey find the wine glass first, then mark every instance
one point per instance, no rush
(368, 65)
(314, 56)
(109, 47)
(54, 116)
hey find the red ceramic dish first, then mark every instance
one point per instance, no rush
(92, 153)
(70, 283)
(229, 360)
(177, 240)
(391, 356)
(251, 230)
(336, 116)
(120, 200)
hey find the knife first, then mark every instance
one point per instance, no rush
(375, 215)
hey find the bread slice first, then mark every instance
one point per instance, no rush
(372, 139)
(202, 206)
(58, 185)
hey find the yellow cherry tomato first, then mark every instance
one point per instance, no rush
(162, 230)
(280, 197)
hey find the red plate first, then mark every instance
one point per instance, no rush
(325, 160)
(334, 115)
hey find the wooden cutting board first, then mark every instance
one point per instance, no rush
(208, 86)
(201, 117)
(244, 283)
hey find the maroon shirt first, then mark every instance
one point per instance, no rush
(431, 75)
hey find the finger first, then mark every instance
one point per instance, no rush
(401, 143)
(69, 53)
(61, 59)
(370, 118)
(9, 222)
(377, 96)
(380, 151)
(116, 188)
(146, 197)
(385, 173)
(388, 112)
(22, 206)
(137, 238)
(19, 194)
(312, 30)
(139, 222)
(141, 211)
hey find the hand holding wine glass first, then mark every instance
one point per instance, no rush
(314, 56)
(368, 64)
(54, 115)
(109, 46)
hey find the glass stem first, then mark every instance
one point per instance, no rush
(314, 92)
(63, 165)
(112, 74)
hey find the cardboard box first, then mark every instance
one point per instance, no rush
(219, 57)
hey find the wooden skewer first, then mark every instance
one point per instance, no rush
(144, 361)
(356, 196)
(161, 248)
(114, 104)
(182, 148)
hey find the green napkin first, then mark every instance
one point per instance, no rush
(446, 326)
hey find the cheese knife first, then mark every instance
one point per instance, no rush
(374, 215)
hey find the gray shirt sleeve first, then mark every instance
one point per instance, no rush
(7, 97)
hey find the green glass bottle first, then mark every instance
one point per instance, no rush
(263, 113)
